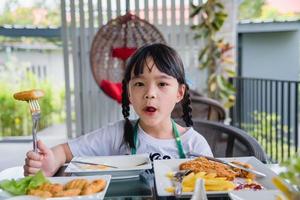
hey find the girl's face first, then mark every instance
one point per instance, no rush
(154, 94)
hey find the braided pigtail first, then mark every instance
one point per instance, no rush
(186, 108)
(128, 128)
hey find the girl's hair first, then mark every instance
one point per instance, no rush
(167, 61)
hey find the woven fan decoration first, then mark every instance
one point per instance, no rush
(113, 44)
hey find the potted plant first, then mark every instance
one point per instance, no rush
(214, 56)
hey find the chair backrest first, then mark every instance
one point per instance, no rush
(202, 108)
(228, 141)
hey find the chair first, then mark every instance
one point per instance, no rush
(202, 108)
(113, 44)
(228, 141)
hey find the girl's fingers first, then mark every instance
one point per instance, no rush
(30, 170)
(42, 147)
(33, 155)
(33, 163)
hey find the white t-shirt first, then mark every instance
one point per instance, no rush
(109, 141)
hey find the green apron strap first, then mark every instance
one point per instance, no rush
(135, 131)
(178, 140)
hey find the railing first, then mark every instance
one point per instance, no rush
(269, 110)
(39, 70)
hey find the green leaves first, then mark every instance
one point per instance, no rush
(292, 173)
(213, 55)
(21, 186)
(15, 118)
(195, 10)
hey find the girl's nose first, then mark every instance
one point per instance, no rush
(149, 96)
(150, 93)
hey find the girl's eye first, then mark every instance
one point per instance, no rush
(162, 84)
(138, 84)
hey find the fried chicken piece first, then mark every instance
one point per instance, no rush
(93, 187)
(241, 173)
(68, 192)
(40, 193)
(202, 164)
(76, 184)
(52, 188)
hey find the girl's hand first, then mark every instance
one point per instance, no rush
(43, 160)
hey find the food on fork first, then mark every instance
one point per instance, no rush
(32, 96)
(29, 95)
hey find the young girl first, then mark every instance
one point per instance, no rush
(154, 82)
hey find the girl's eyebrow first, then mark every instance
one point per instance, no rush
(156, 77)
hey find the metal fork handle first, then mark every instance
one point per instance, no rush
(178, 177)
(35, 120)
(178, 188)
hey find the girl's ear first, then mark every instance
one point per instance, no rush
(181, 91)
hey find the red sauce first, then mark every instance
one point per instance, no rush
(249, 186)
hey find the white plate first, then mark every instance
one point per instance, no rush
(129, 166)
(162, 167)
(250, 195)
(64, 180)
(12, 172)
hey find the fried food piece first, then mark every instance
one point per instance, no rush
(202, 164)
(76, 184)
(69, 192)
(40, 193)
(93, 187)
(52, 188)
(241, 173)
(29, 95)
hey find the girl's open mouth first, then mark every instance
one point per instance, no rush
(150, 109)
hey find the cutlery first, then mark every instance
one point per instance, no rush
(259, 174)
(36, 115)
(110, 166)
(91, 163)
(177, 178)
(32, 96)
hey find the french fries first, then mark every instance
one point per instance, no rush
(212, 182)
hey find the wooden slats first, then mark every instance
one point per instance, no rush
(65, 39)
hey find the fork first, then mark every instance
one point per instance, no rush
(36, 115)
(178, 177)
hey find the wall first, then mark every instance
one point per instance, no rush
(273, 55)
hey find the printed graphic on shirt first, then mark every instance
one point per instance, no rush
(156, 156)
